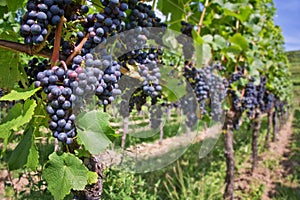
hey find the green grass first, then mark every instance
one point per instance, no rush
(193, 178)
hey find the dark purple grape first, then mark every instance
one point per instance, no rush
(35, 29)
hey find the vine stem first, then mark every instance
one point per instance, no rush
(202, 17)
(23, 48)
(255, 134)
(77, 49)
(58, 33)
(153, 4)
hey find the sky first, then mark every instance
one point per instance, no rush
(288, 18)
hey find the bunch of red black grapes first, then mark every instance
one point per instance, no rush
(39, 15)
(70, 87)
(209, 89)
(256, 98)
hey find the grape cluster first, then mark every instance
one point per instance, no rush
(261, 89)
(236, 100)
(138, 101)
(208, 88)
(101, 25)
(279, 106)
(269, 99)
(38, 16)
(186, 28)
(249, 101)
(33, 68)
(147, 63)
(190, 73)
(201, 90)
(217, 92)
(186, 38)
(60, 101)
(142, 15)
(99, 77)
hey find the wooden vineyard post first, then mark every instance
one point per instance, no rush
(168, 113)
(275, 125)
(161, 132)
(256, 129)
(229, 155)
(125, 131)
(270, 121)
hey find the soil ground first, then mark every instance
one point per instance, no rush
(273, 170)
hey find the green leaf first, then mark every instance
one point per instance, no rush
(175, 8)
(14, 112)
(9, 73)
(220, 2)
(219, 42)
(197, 38)
(239, 41)
(14, 5)
(63, 173)
(208, 38)
(18, 119)
(198, 45)
(3, 3)
(243, 15)
(173, 88)
(15, 95)
(207, 55)
(233, 49)
(92, 177)
(255, 66)
(33, 157)
(93, 128)
(20, 154)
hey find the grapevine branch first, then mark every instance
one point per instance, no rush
(202, 17)
(27, 49)
(77, 49)
(23, 48)
(58, 33)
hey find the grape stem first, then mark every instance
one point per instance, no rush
(64, 65)
(153, 4)
(202, 17)
(58, 33)
(39, 47)
(77, 49)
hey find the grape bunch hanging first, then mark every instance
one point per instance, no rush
(85, 71)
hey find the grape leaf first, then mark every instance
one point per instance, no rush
(92, 177)
(93, 128)
(175, 7)
(63, 173)
(198, 45)
(239, 41)
(20, 154)
(15, 95)
(219, 42)
(9, 73)
(18, 119)
(3, 3)
(14, 5)
(173, 88)
(14, 112)
(243, 15)
(33, 157)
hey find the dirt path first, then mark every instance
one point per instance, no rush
(272, 169)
